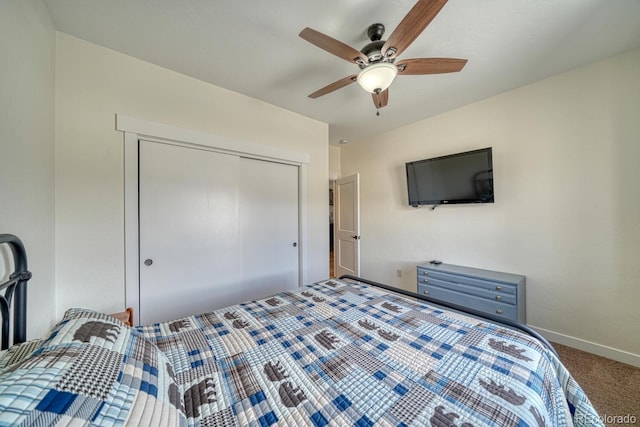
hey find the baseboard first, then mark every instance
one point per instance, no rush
(590, 347)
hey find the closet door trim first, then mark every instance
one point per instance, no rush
(136, 129)
(146, 129)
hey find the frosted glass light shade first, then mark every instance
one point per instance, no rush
(377, 76)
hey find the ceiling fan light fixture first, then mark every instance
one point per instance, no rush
(377, 77)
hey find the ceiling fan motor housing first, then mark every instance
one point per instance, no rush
(373, 50)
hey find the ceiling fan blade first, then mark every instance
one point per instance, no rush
(381, 99)
(333, 46)
(411, 26)
(334, 86)
(416, 66)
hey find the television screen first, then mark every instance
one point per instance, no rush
(458, 178)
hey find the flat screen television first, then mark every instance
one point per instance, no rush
(457, 178)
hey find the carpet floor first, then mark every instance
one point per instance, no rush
(613, 387)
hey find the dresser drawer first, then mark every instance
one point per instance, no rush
(489, 285)
(471, 301)
(487, 291)
(481, 292)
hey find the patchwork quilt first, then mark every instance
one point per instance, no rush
(333, 353)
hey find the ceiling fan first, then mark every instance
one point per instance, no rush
(377, 59)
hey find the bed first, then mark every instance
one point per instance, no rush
(337, 352)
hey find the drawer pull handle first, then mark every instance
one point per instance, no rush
(498, 288)
(498, 297)
(498, 311)
(425, 280)
(426, 292)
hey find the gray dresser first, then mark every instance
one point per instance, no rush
(493, 292)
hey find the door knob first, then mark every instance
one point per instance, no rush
(295, 244)
(148, 262)
(356, 237)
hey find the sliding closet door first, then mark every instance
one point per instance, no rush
(215, 230)
(269, 226)
(188, 230)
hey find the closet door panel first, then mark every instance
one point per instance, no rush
(269, 226)
(189, 231)
(215, 230)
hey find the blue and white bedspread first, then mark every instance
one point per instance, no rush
(333, 353)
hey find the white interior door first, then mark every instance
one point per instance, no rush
(346, 222)
(269, 226)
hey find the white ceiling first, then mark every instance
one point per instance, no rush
(252, 47)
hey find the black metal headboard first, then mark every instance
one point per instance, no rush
(16, 287)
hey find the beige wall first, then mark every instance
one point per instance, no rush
(27, 49)
(567, 211)
(92, 85)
